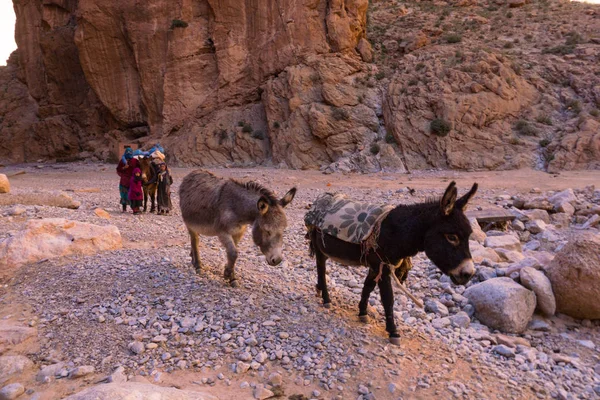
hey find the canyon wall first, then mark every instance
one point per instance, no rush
(248, 82)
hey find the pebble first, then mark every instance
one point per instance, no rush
(136, 347)
(81, 371)
(275, 379)
(504, 351)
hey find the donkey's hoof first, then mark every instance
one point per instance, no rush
(318, 293)
(364, 318)
(327, 305)
(234, 283)
(395, 340)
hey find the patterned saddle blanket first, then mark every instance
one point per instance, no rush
(346, 219)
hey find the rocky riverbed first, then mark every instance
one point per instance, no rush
(139, 312)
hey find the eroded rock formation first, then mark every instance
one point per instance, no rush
(277, 83)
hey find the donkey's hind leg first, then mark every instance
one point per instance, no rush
(145, 199)
(152, 191)
(194, 251)
(387, 300)
(370, 283)
(322, 277)
(232, 254)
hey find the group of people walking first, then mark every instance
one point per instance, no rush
(133, 181)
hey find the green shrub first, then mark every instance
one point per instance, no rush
(380, 75)
(340, 114)
(177, 23)
(560, 50)
(413, 82)
(544, 119)
(595, 113)
(453, 38)
(544, 142)
(375, 148)
(525, 129)
(247, 128)
(440, 127)
(419, 66)
(241, 123)
(276, 125)
(389, 138)
(573, 38)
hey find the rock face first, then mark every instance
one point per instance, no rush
(12, 365)
(87, 76)
(575, 277)
(502, 304)
(55, 237)
(131, 390)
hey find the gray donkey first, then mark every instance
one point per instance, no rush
(212, 206)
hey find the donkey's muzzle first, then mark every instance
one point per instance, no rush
(463, 273)
(273, 261)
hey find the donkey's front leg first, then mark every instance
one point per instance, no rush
(145, 199)
(194, 251)
(368, 287)
(387, 300)
(232, 254)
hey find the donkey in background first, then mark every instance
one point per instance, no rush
(439, 228)
(213, 206)
(148, 174)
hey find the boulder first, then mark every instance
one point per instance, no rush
(536, 226)
(12, 391)
(51, 199)
(4, 184)
(540, 284)
(365, 50)
(480, 253)
(478, 234)
(501, 303)
(56, 237)
(507, 242)
(12, 365)
(101, 213)
(575, 277)
(133, 390)
(11, 335)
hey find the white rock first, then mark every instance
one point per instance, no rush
(134, 390)
(507, 242)
(81, 371)
(541, 286)
(535, 226)
(56, 237)
(502, 304)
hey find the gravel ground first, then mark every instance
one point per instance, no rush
(144, 308)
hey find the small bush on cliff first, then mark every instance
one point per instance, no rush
(258, 134)
(544, 142)
(544, 119)
(440, 127)
(525, 129)
(380, 75)
(177, 23)
(247, 128)
(276, 125)
(375, 149)
(453, 38)
(389, 138)
(574, 106)
(340, 114)
(595, 113)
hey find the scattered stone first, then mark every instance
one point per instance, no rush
(436, 307)
(275, 379)
(136, 347)
(535, 226)
(81, 371)
(502, 304)
(538, 282)
(261, 393)
(48, 373)
(507, 242)
(12, 391)
(101, 213)
(117, 376)
(242, 367)
(460, 320)
(504, 351)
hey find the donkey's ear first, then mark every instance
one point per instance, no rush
(287, 199)
(461, 203)
(262, 205)
(448, 199)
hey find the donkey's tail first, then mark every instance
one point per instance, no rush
(310, 236)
